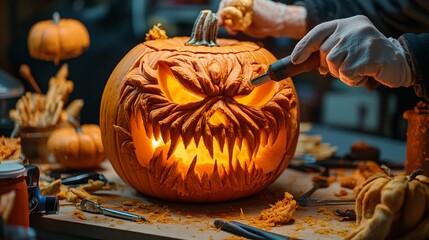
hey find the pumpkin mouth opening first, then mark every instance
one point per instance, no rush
(206, 156)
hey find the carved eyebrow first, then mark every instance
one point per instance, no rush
(173, 89)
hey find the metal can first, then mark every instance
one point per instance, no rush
(13, 178)
(417, 139)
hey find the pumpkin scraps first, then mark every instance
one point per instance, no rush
(10, 148)
(280, 213)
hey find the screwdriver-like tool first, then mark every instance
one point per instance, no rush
(284, 68)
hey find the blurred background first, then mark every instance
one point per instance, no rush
(115, 26)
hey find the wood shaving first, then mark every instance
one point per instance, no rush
(51, 189)
(74, 195)
(92, 185)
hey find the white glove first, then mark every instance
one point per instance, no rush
(270, 19)
(352, 50)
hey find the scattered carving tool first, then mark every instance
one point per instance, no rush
(321, 183)
(72, 178)
(247, 231)
(323, 202)
(92, 207)
(346, 215)
(284, 68)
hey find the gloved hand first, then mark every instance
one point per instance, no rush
(352, 50)
(269, 18)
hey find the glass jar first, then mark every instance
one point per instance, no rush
(13, 178)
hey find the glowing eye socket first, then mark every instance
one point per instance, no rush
(172, 88)
(260, 95)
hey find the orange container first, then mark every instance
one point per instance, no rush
(417, 139)
(12, 178)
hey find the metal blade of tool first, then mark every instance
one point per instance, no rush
(93, 207)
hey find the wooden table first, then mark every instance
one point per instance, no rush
(195, 221)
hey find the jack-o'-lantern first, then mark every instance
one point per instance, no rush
(181, 121)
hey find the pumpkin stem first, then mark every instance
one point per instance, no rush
(75, 124)
(205, 29)
(414, 174)
(56, 18)
(387, 170)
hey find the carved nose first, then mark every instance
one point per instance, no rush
(219, 118)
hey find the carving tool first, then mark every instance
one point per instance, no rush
(246, 231)
(284, 68)
(90, 206)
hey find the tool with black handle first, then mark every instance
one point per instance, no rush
(284, 68)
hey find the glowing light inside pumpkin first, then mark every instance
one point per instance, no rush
(156, 142)
(219, 118)
(259, 95)
(172, 88)
(184, 155)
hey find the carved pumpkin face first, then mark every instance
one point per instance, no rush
(184, 123)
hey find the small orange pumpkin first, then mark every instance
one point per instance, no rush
(77, 147)
(181, 121)
(57, 39)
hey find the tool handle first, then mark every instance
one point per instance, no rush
(284, 68)
(234, 229)
(121, 214)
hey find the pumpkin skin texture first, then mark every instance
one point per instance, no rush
(57, 39)
(183, 122)
(77, 150)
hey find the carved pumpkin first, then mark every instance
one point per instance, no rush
(57, 39)
(396, 206)
(77, 147)
(181, 121)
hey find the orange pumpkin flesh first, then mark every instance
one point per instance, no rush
(57, 39)
(183, 122)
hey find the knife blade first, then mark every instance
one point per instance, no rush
(284, 68)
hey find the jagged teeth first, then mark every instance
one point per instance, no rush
(224, 138)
